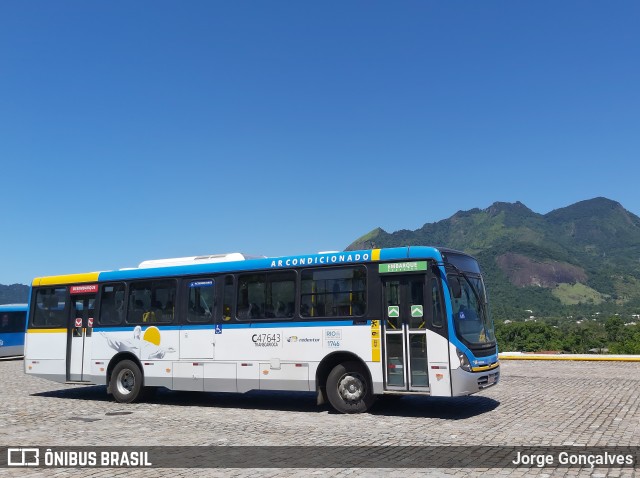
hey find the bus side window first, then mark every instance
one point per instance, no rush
(12, 322)
(436, 303)
(334, 292)
(111, 304)
(151, 301)
(51, 306)
(266, 296)
(227, 300)
(201, 300)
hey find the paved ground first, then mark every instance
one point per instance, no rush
(536, 404)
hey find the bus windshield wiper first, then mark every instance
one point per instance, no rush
(480, 300)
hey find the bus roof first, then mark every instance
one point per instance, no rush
(209, 259)
(223, 263)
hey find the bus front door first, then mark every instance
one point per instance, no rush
(405, 334)
(79, 333)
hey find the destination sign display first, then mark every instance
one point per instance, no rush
(395, 267)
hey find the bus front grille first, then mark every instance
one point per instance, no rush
(488, 380)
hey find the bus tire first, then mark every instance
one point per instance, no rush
(348, 388)
(126, 382)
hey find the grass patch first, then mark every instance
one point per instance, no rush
(573, 294)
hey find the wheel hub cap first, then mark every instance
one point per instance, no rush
(126, 382)
(351, 388)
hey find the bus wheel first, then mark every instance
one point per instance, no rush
(348, 388)
(126, 382)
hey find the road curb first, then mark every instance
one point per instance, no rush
(567, 357)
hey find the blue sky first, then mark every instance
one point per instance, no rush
(146, 130)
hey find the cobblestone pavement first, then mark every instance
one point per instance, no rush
(536, 404)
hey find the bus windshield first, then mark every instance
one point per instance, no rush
(470, 312)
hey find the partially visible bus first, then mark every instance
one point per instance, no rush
(348, 325)
(13, 323)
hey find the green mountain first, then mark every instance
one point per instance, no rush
(14, 294)
(577, 260)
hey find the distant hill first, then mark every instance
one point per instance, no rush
(14, 294)
(577, 260)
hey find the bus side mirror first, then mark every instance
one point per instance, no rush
(456, 288)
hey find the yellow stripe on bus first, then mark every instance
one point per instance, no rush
(66, 279)
(46, 331)
(485, 368)
(375, 254)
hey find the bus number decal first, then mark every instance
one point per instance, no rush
(333, 338)
(266, 340)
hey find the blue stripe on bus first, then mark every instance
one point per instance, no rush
(14, 308)
(235, 325)
(10, 339)
(275, 325)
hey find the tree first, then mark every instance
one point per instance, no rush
(613, 326)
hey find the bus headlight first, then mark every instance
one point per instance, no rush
(464, 361)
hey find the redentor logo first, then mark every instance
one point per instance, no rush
(23, 457)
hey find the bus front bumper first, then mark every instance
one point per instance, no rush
(467, 383)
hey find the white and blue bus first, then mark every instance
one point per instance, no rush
(13, 323)
(348, 325)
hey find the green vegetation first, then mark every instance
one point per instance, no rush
(570, 336)
(573, 294)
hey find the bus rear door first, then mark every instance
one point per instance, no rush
(80, 331)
